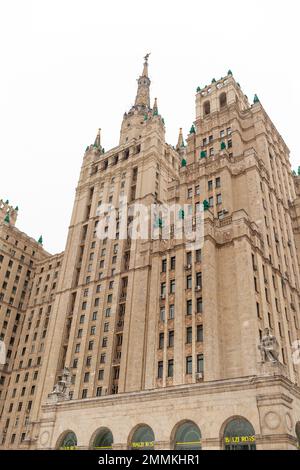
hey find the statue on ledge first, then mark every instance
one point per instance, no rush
(61, 388)
(269, 348)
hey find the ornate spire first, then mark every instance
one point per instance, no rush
(40, 240)
(155, 108)
(142, 99)
(97, 142)
(180, 142)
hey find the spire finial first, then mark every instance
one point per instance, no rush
(155, 107)
(180, 142)
(97, 142)
(40, 240)
(143, 93)
(145, 70)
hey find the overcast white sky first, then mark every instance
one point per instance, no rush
(70, 66)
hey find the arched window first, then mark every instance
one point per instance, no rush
(68, 441)
(223, 100)
(206, 108)
(239, 435)
(142, 438)
(187, 437)
(103, 439)
(298, 433)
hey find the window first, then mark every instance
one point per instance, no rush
(199, 333)
(173, 262)
(101, 374)
(171, 312)
(189, 364)
(170, 367)
(189, 282)
(200, 363)
(160, 369)
(103, 358)
(219, 198)
(206, 108)
(93, 330)
(199, 280)
(189, 258)
(189, 308)
(164, 265)
(198, 256)
(211, 202)
(86, 377)
(161, 341)
(163, 288)
(230, 143)
(171, 339)
(84, 393)
(91, 345)
(99, 391)
(197, 190)
(189, 334)
(172, 286)
(210, 185)
(162, 314)
(223, 100)
(190, 193)
(199, 305)
(104, 342)
(211, 152)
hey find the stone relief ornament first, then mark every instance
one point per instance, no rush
(269, 348)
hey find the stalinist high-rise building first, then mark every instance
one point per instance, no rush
(126, 342)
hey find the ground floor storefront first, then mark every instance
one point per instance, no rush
(252, 413)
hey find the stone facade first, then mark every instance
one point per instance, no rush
(123, 334)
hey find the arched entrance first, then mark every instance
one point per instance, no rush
(187, 437)
(239, 434)
(142, 438)
(103, 439)
(68, 441)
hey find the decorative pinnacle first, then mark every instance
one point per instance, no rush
(180, 142)
(97, 142)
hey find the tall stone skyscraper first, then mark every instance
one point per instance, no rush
(148, 342)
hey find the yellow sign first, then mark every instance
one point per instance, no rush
(137, 445)
(239, 439)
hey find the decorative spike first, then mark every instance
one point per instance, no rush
(16, 208)
(7, 202)
(40, 240)
(180, 142)
(256, 99)
(193, 130)
(223, 145)
(155, 108)
(213, 80)
(198, 89)
(143, 92)
(183, 162)
(97, 143)
(203, 154)
(229, 72)
(7, 219)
